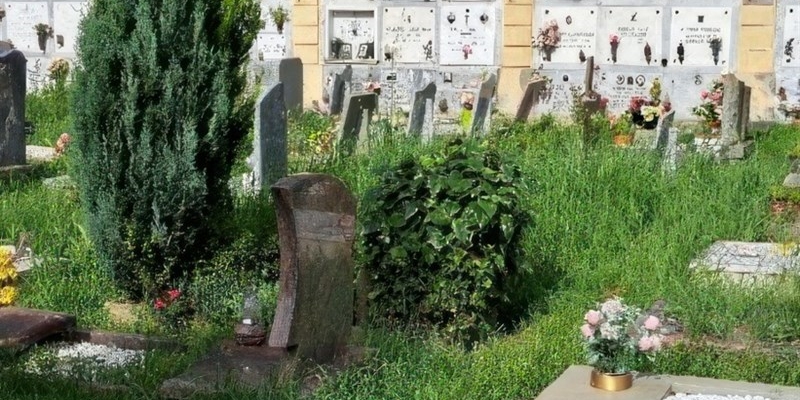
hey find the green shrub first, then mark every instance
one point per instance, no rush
(160, 111)
(440, 234)
(783, 193)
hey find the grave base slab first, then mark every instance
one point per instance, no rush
(745, 261)
(574, 384)
(20, 327)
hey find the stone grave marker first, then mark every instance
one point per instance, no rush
(748, 262)
(529, 99)
(733, 97)
(290, 74)
(590, 100)
(316, 226)
(360, 108)
(21, 327)
(340, 82)
(663, 128)
(5, 46)
(484, 105)
(745, 112)
(671, 152)
(420, 121)
(12, 108)
(269, 159)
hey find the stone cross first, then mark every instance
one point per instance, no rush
(360, 108)
(290, 73)
(590, 100)
(316, 230)
(532, 90)
(732, 106)
(670, 157)
(420, 121)
(662, 136)
(483, 107)
(269, 159)
(12, 108)
(745, 112)
(340, 82)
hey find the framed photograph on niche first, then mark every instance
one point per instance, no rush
(346, 52)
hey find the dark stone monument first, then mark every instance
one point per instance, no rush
(662, 137)
(340, 82)
(316, 222)
(12, 108)
(532, 90)
(483, 106)
(420, 121)
(269, 157)
(290, 73)
(21, 327)
(360, 108)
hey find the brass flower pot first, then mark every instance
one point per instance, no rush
(611, 382)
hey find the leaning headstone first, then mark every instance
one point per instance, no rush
(360, 108)
(21, 327)
(340, 82)
(420, 121)
(733, 92)
(664, 126)
(316, 229)
(483, 108)
(590, 100)
(745, 112)
(12, 108)
(290, 73)
(532, 90)
(269, 158)
(5, 46)
(671, 152)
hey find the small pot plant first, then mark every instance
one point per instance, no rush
(280, 16)
(618, 338)
(43, 32)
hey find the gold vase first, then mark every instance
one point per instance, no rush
(611, 382)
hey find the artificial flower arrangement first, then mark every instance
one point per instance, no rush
(710, 110)
(646, 111)
(548, 39)
(618, 337)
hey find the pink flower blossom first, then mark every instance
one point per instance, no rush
(715, 96)
(656, 341)
(651, 323)
(159, 304)
(593, 317)
(703, 94)
(613, 38)
(645, 343)
(174, 294)
(587, 331)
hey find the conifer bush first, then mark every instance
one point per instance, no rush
(160, 108)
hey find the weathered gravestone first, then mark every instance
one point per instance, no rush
(5, 46)
(529, 99)
(591, 102)
(735, 117)
(316, 223)
(420, 122)
(12, 108)
(360, 108)
(662, 131)
(671, 155)
(269, 158)
(340, 82)
(290, 74)
(483, 108)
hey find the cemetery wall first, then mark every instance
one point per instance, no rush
(404, 44)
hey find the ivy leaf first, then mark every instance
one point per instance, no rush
(488, 207)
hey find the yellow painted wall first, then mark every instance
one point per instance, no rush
(516, 53)
(306, 45)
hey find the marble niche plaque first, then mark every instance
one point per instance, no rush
(790, 47)
(467, 34)
(271, 46)
(700, 36)
(21, 17)
(351, 35)
(619, 87)
(578, 28)
(66, 19)
(556, 98)
(637, 31)
(408, 34)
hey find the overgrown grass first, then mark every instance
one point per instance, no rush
(48, 110)
(608, 221)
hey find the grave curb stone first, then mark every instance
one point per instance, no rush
(21, 327)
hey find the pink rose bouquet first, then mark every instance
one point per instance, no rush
(618, 336)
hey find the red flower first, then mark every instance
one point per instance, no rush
(159, 304)
(174, 294)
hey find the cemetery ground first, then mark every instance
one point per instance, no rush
(607, 221)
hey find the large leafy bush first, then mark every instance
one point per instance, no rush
(160, 109)
(440, 238)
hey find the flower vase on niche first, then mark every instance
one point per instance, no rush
(451, 17)
(467, 50)
(715, 43)
(547, 39)
(43, 32)
(648, 53)
(280, 16)
(613, 40)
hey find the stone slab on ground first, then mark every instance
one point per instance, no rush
(574, 384)
(743, 260)
(24, 326)
(39, 153)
